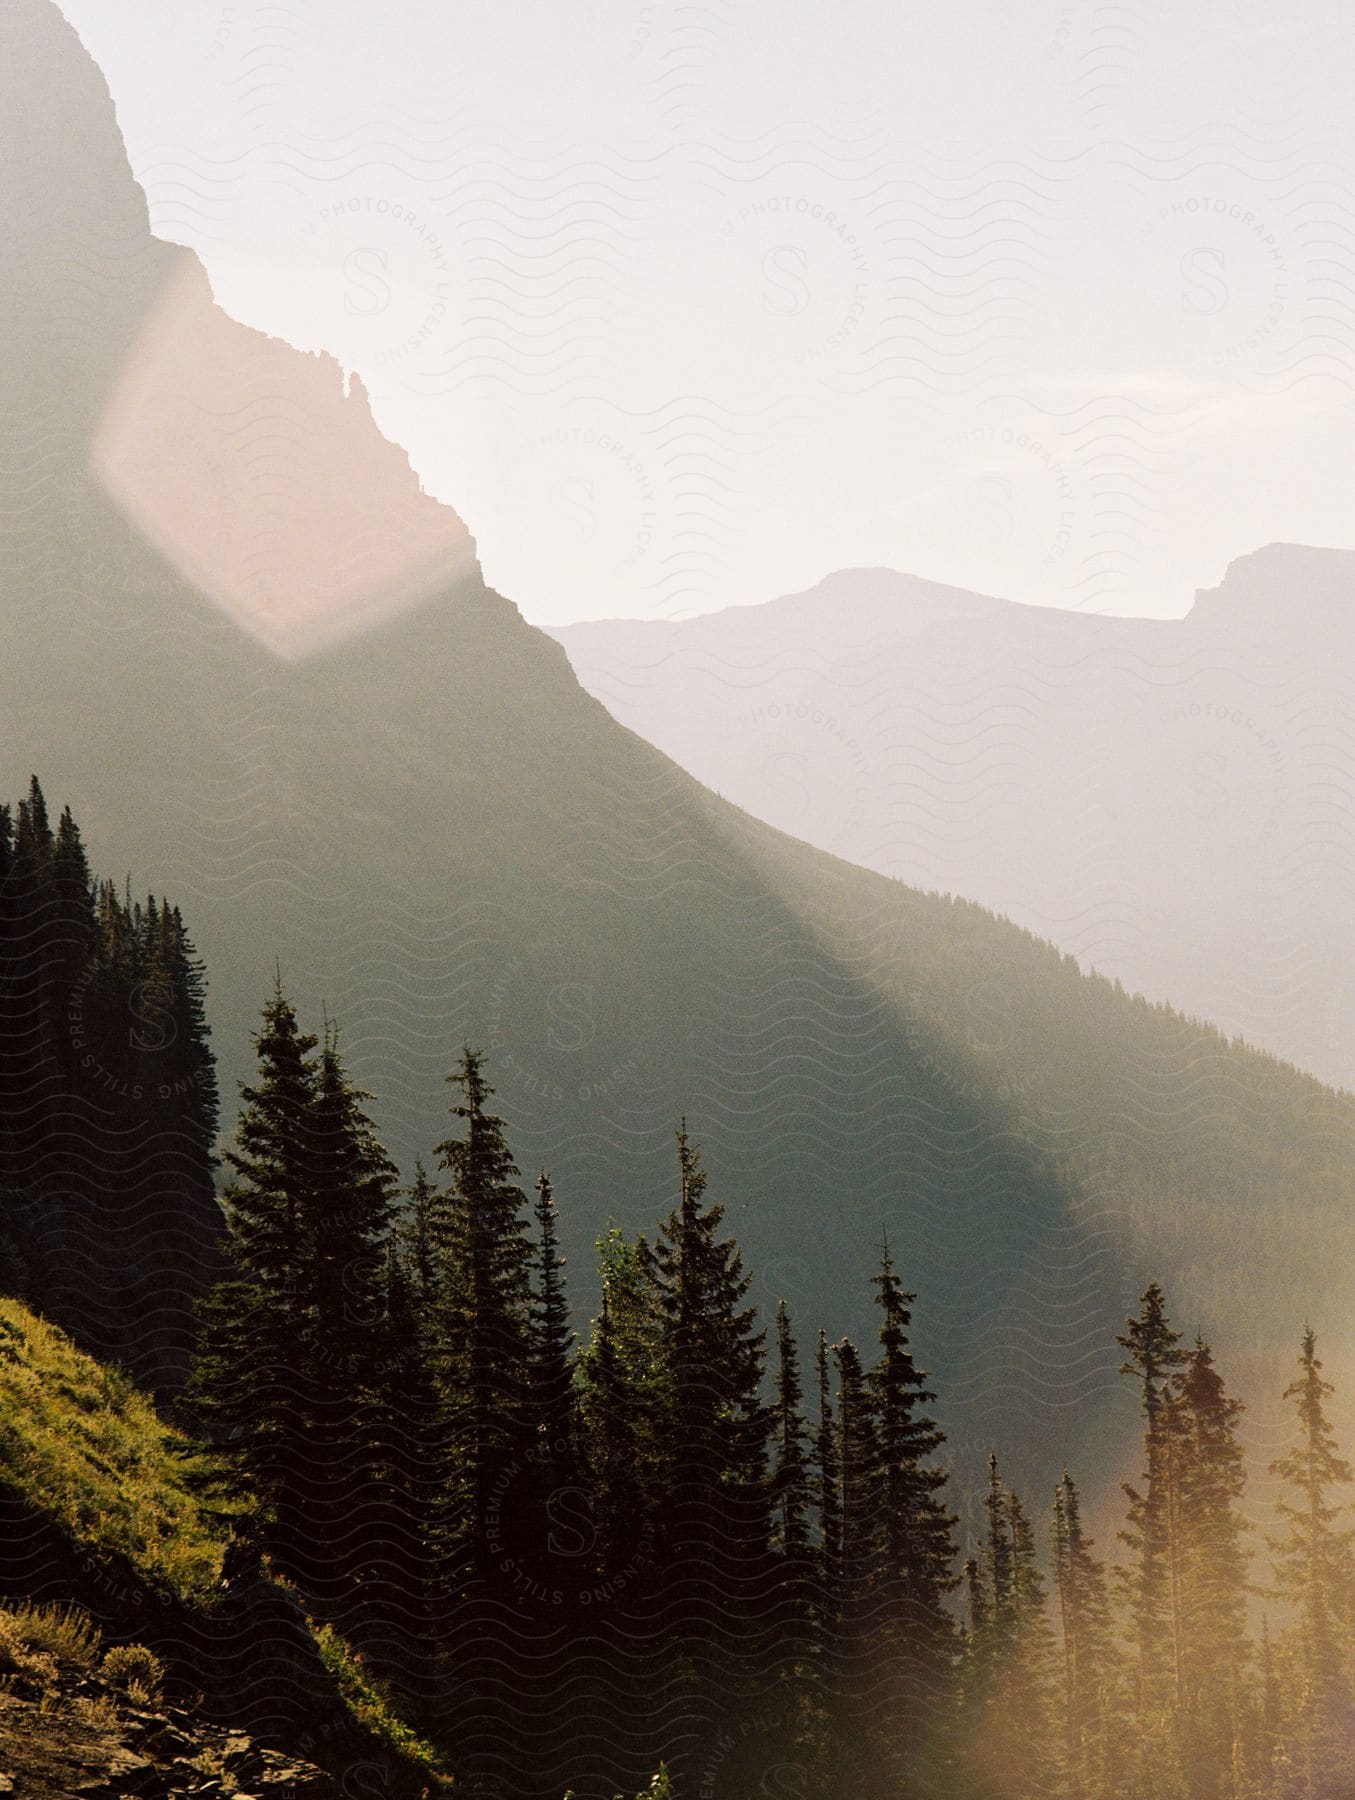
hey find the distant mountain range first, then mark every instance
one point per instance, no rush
(1172, 802)
(266, 673)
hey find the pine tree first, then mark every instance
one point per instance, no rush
(550, 1475)
(1153, 1359)
(253, 1364)
(1034, 1754)
(420, 1232)
(862, 1691)
(712, 1354)
(1092, 1742)
(1314, 1571)
(914, 1638)
(411, 1413)
(347, 1232)
(609, 1409)
(791, 1493)
(551, 1350)
(195, 1061)
(108, 1102)
(295, 1348)
(1209, 1567)
(624, 1405)
(792, 1499)
(34, 1041)
(622, 1409)
(1009, 1742)
(713, 1515)
(482, 1324)
(861, 1478)
(71, 923)
(347, 1227)
(998, 1562)
(829, 1506)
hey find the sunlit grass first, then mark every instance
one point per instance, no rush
(368, 1702)
(79, 1443)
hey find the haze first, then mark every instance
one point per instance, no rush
(681, 307)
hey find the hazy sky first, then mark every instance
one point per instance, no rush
(687, 305)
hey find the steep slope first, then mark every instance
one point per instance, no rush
(1171, 801)
(106, 1509)
(413, 805)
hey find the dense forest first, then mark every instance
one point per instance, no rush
(108, 1102)
(688, 1539)
(676, 1541)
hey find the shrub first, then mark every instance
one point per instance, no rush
(96, 1712)
(18, 1661)
(62, 1632)
(135, 1669)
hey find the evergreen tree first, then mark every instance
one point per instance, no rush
(420, 1232)
(108, 1103)
(829, 1572)
(861, 1482)
(998, 1563)
(712, 1352)
(195, 1061)
(609, 1415)
(792, 1500)
(713, 1514)
(348, 1220)
(791, 1488)
(1033, 1744)
(1152, 1358)
(1009, 1743)
(914, 1639)
(549, 1475)
(1314, 1572)
(624, 1405)
(483, 1317)
(253, 1364)
(854, 1694)
(1209, 1568)
(551, 1352)
(1092, 1743)
(350, 1454)
(829, 1474)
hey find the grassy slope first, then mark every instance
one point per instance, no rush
(83, 1447)
(102, 1495)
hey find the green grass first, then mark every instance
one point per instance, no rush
(369, 1704)
(79, 1443)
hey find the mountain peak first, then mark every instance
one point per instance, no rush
(256, 469)
(1277, 580)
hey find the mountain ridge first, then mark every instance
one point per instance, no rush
(1169, 800)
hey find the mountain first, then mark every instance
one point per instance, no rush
(252, 697)
(1170, 801)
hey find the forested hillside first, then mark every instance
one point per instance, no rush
(431, 1526)
(108, 1102)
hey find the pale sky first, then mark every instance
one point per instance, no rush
(687, 305)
